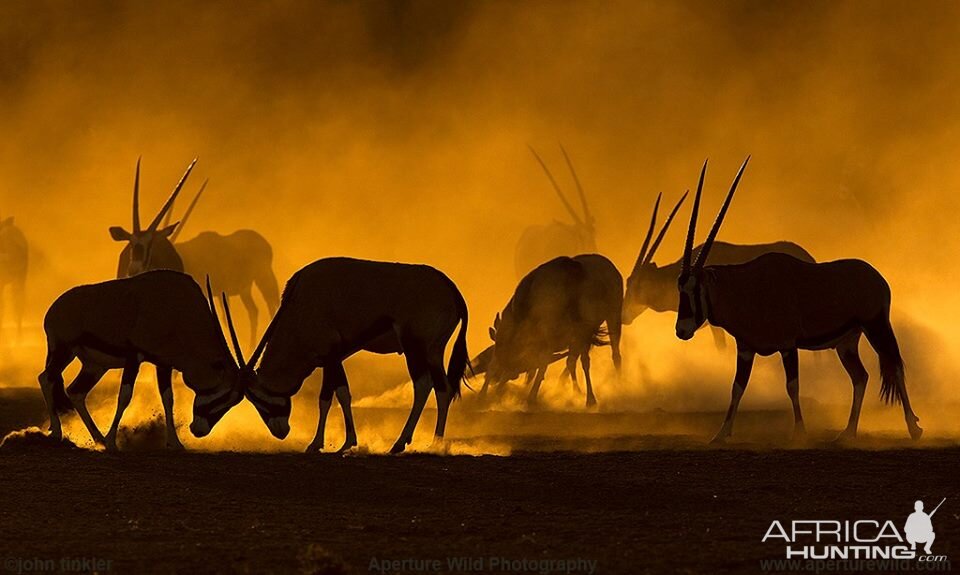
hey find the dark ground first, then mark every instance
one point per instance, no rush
(685, 509)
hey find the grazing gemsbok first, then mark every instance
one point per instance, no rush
(336, 307)
(557, 311)
(779, 304)
(160, 317)
(652, 287)
(233, 262)
(541, 243)
(14, 261)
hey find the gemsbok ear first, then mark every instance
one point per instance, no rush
(165, 232)
(493, 335)
(119, 234)
(496, 322)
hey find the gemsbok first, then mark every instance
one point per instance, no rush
(336, 307)
(14, 262)
(779, 304)
(234, 263)
(541, 243)
(650, 286)
(558, 310)
(160, 317)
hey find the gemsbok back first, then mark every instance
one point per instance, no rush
(336, 307)
(541, 243)
(779, 304)
(234, 262)
(650, 286)
(557, 311)
(159, 317)
(14, 262)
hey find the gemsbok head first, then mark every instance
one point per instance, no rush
(149, 248)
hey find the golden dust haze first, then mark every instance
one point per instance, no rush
(399, 131)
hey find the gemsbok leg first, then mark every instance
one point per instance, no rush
(51, 383)
(791, 368)
(444, 395)
(585, 364)
(744, 367)
(334, 382)
(535, 388)
(90, 374)
(419, 368)
(571, 372)
(165, 385)
(129, 377)
(246, 296)
(848, 350)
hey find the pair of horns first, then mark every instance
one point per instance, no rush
(238, 351)
(587, 220)
(166, 206)
(692, 230)
(233, 332)
(646, 257)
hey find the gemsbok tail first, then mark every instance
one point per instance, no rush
(893, 385)
(459, 357)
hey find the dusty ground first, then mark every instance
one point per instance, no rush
(668, 505)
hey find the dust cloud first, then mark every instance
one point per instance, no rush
(399, 131)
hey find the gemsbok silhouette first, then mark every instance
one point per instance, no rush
(336, 307)
(779, 304)
(160, 317)
(14, 263)
(650, 286)
(234, 263)
(557, 311)
(541, 243)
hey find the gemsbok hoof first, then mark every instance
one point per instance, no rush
(719, 439)
(915, 431)
(314, 447)
(398, 447)
(846, 436)
(347, 445)
(591, 402)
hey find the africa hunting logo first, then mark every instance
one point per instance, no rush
(862, 539)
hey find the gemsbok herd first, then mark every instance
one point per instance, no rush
(162, 309)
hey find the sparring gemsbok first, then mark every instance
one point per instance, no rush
(160, 317)
(14, 262)
(234, 263)
(779, 304)
(557, 311)
(541, 243)
(336, 307)
(650, 286)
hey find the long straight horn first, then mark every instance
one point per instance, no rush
(692, 230)
(166, 206)
(556, 188)
(663, 230)
(263, 342)
(186, 215)
(233, 331)
(136, 199)
(642, 256)
(705, 250)
(587, 216)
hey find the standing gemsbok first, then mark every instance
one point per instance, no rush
(541, 243)
(779, 304)
(234, 263)
(159, 317)
(336, 307)
(650, 286)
